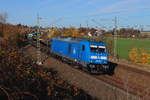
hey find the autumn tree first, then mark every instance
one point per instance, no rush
(144, 57)
(128, 32)
(3, 19)
(54, 31)
(133, 55)
(82, 29)
(1, 30)
(71, 32)
(139, 56)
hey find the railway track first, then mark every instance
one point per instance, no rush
(131, 88)
(128, 85)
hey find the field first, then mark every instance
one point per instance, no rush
(124, 45)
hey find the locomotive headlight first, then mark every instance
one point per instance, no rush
(93, 57)
(103, 57)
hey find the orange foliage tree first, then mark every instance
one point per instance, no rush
(133, 55)
(54, 32)
(139, 56)
(144, 57)
(71, 32)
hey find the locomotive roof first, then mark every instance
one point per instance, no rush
(76, 40)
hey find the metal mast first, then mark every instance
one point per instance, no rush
(115, 37)
(39, 62)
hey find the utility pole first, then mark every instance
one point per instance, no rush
(141, 28)
(115, 37)
(39, 62)
(87, 24)
(80, 25)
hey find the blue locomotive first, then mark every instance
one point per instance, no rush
(91, 55)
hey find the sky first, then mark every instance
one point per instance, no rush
(91, 13)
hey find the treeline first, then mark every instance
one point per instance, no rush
(9, 31)
(73, 32)
(83, 31)
(125, 33)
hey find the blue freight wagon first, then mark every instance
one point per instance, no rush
(91, 55)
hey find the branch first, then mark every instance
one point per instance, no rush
(4, 90)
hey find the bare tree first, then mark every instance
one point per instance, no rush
(3, 18)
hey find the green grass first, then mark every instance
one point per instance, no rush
(124, 45)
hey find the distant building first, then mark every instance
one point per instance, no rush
(96, 33)
(99, 32)
(89, 34)
(145, 33)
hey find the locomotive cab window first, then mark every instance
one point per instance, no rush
(69, 48)
(95, 48)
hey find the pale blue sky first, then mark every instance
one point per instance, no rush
(76, 12)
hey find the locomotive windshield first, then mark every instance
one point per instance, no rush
(95, 48)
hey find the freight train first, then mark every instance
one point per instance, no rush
(90, 55)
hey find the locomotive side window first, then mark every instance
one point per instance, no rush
(69, 48)
(83, 47)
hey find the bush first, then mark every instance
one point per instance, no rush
(133, 55)
(139, 56)
(144, 57)
(22, 78)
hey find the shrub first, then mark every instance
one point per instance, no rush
(139, 56)
(21, 78)
(144, 57)
(133, 55)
